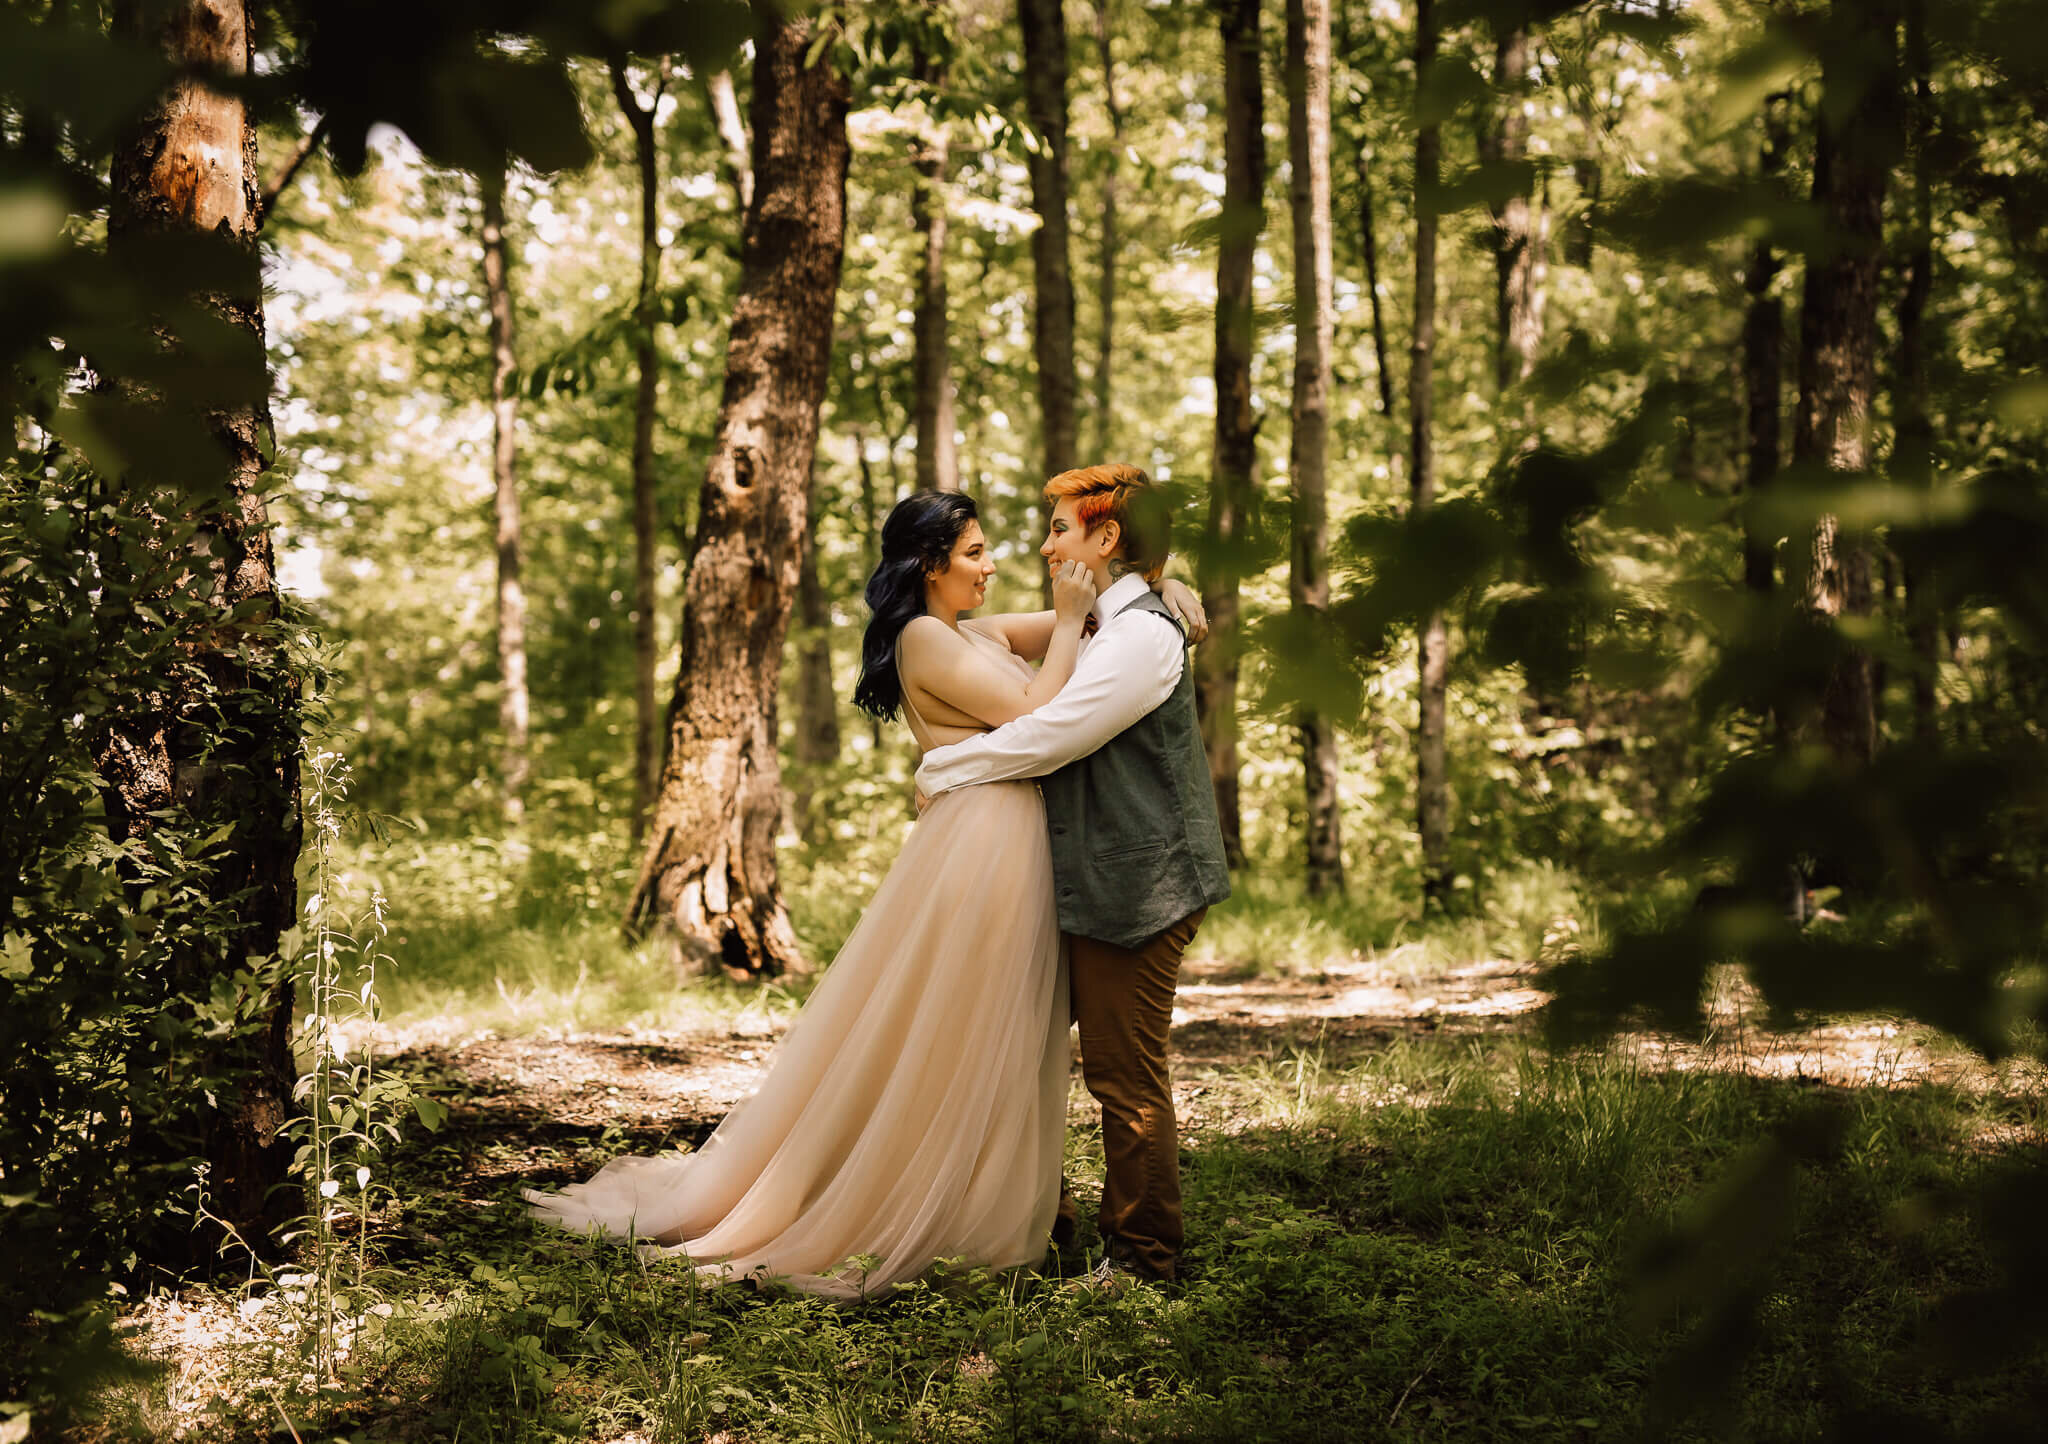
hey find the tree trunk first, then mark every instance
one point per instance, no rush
(725, 116)
(1308, 590)
(1763, 341)
(647, 361)
(1856, 125)
(709, 870)
(870, 533)
(221, 745)
(1235, 456)
(1052, 319)
(1105, 286)
(1914, 448)
(938, 463)
(1514, 256)
(1432, 799)
(1372, 281)
(512, 700)
(817, 713)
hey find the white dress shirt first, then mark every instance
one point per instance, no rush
(1130, 666)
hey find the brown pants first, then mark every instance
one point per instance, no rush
(1123, 1000)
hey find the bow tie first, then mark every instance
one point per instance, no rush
(1090, 625)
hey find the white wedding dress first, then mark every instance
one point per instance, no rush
(915, 1110)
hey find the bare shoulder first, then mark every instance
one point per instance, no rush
(986, 628)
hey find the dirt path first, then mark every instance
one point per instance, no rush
(548, 1096)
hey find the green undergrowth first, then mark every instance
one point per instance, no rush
(1437, 1240)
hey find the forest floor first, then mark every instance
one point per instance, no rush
(1406, 1219)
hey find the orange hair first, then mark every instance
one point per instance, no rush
(1119, 492)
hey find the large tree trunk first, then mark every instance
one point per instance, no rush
(1856, 124)
(1234, 458)
(1105, 285)
(1514, 252)
(1763, 341)
(647, 361)
(709, 870)
(1432, 796)
(938, 463)
(512, 700)
(1308, 589)
(220, 747)
(1913, 452)
(1052, 317)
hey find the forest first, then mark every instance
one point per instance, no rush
(450, 443)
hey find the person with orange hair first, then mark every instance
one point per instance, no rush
(1137, 855)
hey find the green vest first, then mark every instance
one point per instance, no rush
(1135, 843)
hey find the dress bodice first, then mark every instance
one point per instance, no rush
(930, 735)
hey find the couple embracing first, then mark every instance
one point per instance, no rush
(1066, 850)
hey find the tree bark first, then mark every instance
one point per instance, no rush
(938, 461)
(725, 116)
(709, 870)
(647, 362)
(511, 599)
(1308, 590)
(1857, 134)
(1052, 319)
(221, 745)
(1432, 794)
(1234, 456)
(1514, 256)
(1763, 340)
(817, 713)
(1914, 447)
(1105, 286)
(1366, 229)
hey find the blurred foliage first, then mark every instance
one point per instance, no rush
(1613, 759)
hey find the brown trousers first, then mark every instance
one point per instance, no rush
(1123, 1001)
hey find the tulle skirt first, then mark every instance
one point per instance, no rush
(916, 1108)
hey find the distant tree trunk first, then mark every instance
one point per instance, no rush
(221, 745)
(709, 870)
(817, 713)
(1514, 256)
(1914, 447)
(725, 116)
(1105, 286)
(512, 700)
(938, 464)
(1763, 341)
(1372, 281)
(1308, 153)
(1235, 456)
(1856, 126)
(1432, 793)
(1052, 320)
(647, 361)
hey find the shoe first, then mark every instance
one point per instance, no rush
(1064, 1230)
(1111, 1278)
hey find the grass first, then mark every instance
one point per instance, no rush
(1435, 1241)
(1433, 1235)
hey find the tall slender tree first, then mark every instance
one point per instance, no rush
(1106, 240)
(1514, 251)
(217, 747)
(1234, 461)
(1763, 343)
(1432, 791)
(640, 119)
(723, 103)
(938, 462)
(1857, 132)
(1044, 27)
(709, 870)
(513, 707)
(1383, 373)
(1913, 452)
(1308, 583)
